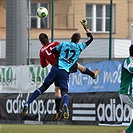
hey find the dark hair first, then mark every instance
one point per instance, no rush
(43, 38)
(131, 50)
(75, 37)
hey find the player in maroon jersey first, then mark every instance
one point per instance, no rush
(46, 57)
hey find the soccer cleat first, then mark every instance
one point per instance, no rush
(95, 73)
(123, 131)
(58, 115)
(66, 112)
(24, 111)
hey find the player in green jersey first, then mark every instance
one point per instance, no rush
(126, 86)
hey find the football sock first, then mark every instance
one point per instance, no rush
(88, 72)
(130, 128)
(65, 99)
(57, 103)
(34, 95)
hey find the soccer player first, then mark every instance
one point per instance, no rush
(46, 57)
(125, 91)
(65, 64)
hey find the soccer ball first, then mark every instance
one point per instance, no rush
(42, 12)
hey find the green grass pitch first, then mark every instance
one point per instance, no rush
(25, 128)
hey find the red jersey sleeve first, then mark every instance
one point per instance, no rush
(43, 61)
(46, 57)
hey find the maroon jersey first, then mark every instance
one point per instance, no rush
(46, 57)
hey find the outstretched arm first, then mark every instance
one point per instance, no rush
(84, 23)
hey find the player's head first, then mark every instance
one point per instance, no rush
(76, 37)
(43, 38)
(131, 50)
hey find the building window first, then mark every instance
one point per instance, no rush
(36, 22)
(99, 17)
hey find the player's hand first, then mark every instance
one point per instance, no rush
(84, 23)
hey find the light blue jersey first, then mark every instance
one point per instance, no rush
(69, 54)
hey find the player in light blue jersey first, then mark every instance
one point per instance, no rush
(67, 61)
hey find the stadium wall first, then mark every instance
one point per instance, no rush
(92, 102)
(85, 109)
(25, 79)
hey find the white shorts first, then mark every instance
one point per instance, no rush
(128, 99)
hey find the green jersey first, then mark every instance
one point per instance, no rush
(126, 77)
